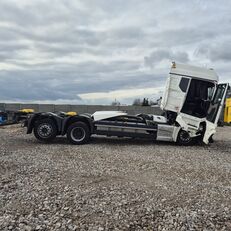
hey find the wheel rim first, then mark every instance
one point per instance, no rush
(184, 137)
(45, 130)
(78, 134)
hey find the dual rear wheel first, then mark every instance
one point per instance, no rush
(46, 130)
(78, 133)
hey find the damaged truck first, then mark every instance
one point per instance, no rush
(192, 103)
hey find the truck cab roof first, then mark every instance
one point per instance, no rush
(194, 72)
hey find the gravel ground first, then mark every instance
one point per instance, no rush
(113, 184)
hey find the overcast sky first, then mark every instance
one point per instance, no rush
(95, 51)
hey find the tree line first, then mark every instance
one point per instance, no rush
(140, 102)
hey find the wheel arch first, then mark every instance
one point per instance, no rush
(79, 118)
(39, 116)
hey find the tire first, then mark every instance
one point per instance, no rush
(184, 138)
(45, 130)
(78, 133)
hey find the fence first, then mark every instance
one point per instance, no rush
(80, 108)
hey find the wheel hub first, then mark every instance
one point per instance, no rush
(184, 136)
(78, 134)
(45, 130)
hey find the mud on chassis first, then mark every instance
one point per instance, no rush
(192, 103)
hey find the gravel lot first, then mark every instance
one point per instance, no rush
(113, 184)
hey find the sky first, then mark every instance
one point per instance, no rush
(98, 51)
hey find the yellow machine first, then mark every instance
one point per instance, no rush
(227, 114)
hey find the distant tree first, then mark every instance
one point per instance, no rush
(145, 102)
(115, 103)
(136, 102)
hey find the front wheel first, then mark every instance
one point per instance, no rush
(45, 130)
(78, 133)
(184, 138)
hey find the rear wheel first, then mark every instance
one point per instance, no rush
(184, 138)
(78, 133)
(45, 130)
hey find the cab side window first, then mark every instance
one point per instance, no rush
(184, 84)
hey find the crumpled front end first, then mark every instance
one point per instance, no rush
(209, 132)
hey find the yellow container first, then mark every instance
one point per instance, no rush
(228, 102)
(71, 113)
(27, 110)
(227, 114)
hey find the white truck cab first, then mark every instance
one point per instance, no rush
(193, 99)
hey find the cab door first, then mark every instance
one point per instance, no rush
(217, 103)
(214, 111)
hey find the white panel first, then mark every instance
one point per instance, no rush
(196, 72)
(175, 97)
(165, 132)
(100, 115)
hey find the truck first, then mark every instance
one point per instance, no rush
(192, 103)
(14, 117)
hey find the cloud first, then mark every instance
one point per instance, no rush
(120, 94)
(165, 54)
(27, 86)
(216, 52)
(128, 94)
(58, 50)
(68, 82)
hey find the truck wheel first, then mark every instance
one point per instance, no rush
(78, 133)
(45, 130)
(184, 138)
